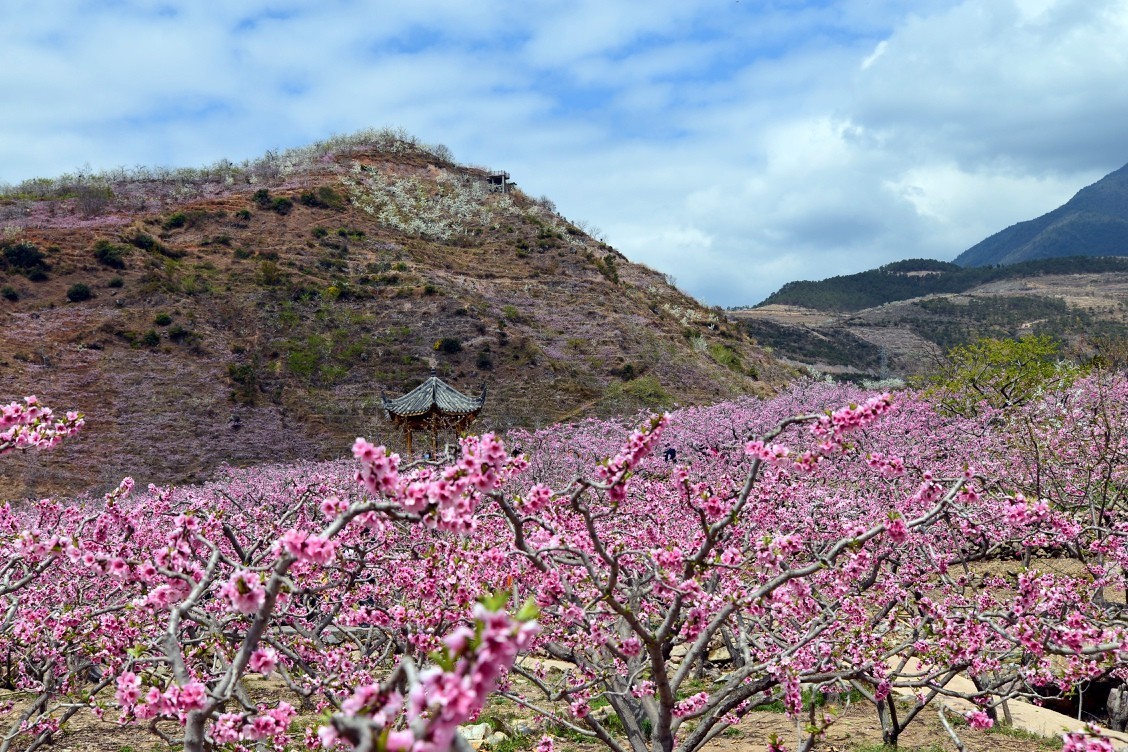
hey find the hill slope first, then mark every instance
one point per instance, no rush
(903, 336)
(255, 312)
(1092, 223)
(914, 278)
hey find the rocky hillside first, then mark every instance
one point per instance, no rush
(255, 312)
(1092, 223)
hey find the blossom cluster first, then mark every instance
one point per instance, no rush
(470, 663)
(31, 425)
(864, 553)
(447, 499)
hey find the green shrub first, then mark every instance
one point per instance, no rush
(609, 270)
(26, 258)
(242, 373)
(162, 319)
(484, 361)
(243, 215)
(725, 356)
(268, 274)
(193, 284)
(116, 282)
(429, 289)
(264, 201)
(150, 338)
(175, 221)
(241, 253)
(110, 254)
(177, 333)
(303, 363)
(145, 241)
(245, 379)
(79, 292)
(998, 373)
(323, 198)
(448, 345)
(649, 391)
(320, 232)
(9, 293)
(330, 197)
(626, 373)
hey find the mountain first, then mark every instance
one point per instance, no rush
(897, 320)
(914, 278)
(256, 312)
(1092, 223)
(1062, 274)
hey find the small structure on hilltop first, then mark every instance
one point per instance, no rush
(434, 406)
(499, 182)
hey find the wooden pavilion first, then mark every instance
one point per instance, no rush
(433, 406)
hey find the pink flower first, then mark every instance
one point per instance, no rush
(128, 689)
(644, 688)
(264, 661)
(117, 568)
(226, 728)
(897, 529)
(192, 696)
(400, 741)
(305, 547)
(979, 720)
(691, 705)
(244, 591)
(1086, 741)
(331, 506)
(459, 639)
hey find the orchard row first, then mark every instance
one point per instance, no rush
(827, 540)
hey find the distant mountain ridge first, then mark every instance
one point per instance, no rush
(914, 278)
(871, 326)
(1064, 274)
(1092, 223)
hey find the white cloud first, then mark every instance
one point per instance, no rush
(736, 146)
(878, 51)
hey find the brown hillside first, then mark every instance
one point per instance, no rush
(915, 333)
(254, 313)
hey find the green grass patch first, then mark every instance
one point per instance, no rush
(1049, 742)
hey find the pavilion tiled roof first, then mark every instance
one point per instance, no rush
(434, 393)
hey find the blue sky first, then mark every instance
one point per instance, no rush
(733, 145)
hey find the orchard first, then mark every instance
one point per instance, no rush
(828, 542)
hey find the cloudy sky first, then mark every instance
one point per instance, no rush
(734, 144)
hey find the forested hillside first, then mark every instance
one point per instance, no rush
(1092, 223)
(916, 278)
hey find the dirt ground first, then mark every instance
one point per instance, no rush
(855, 730)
